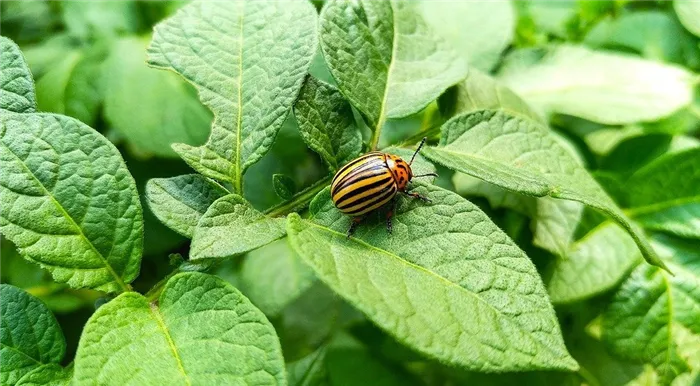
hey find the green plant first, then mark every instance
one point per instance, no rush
(561, 244)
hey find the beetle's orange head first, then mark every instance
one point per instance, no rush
(400, 169)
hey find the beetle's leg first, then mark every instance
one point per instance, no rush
(390, 214)
(416, 195)
(353, 225)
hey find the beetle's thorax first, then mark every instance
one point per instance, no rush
(400, 170)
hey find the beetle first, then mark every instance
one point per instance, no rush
(371, 181)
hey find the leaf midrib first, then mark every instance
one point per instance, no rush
(239, 174)
(651, 208)
(171, 344)
(421, 268)
(17, 350)
(47, 193)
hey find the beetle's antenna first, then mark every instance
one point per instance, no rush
(417, 150)
(426, 175)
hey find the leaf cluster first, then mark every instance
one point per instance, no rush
(164, 192)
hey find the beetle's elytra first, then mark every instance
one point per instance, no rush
(371, 181)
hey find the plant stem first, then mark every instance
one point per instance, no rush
(300, 199)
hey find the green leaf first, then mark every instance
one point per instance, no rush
(16, 84)
(554, 222)
(665, 196)
(480, 46)
(447, 283)
(522, 156)
(354, 365)
(479, 92)
(593, 264)
(326, 123)
(86, 19)
(69, 202)
(385, 58)
(31, 336)
(284, 186)
(248, 60)
(601, 86)
(201, 331)
(47, 375)
(152, 109)
(309, 370)
(273, 276)
(180, 202)
(689, 14)
(654, 316)
(27, 20)
(230, 227)
(654, 34)
(73, 86)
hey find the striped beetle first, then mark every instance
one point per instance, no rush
(370, 182)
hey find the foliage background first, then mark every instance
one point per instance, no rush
(636, 135)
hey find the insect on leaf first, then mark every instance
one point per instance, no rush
(447, 282)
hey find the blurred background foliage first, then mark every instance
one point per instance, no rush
(88, 61)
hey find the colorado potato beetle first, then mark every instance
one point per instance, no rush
(371, 181)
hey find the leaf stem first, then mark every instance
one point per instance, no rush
(186, 266)
(374, 140)
(415, 138)
(300, 199)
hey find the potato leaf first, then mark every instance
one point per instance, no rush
(73, 85)
(593, 264)
(665, 195)
(179, 202)
(230, 227)
(201, 331)
(520, 155)
(654, 317)
(600, 86)
(68, 201)
(152, 109)
(447, 282)
(248, 59)
(47, 375)
(689, 14)
(16, 84)
(273, 276)
(479, 91)
(284, 186)
(480, 46)
(385, 58)
(326, 123)
(30, 335)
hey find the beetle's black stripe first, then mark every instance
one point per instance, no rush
(373, 202)
(370, 172)
(356, 161)
(339, 178)
(353, 195)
